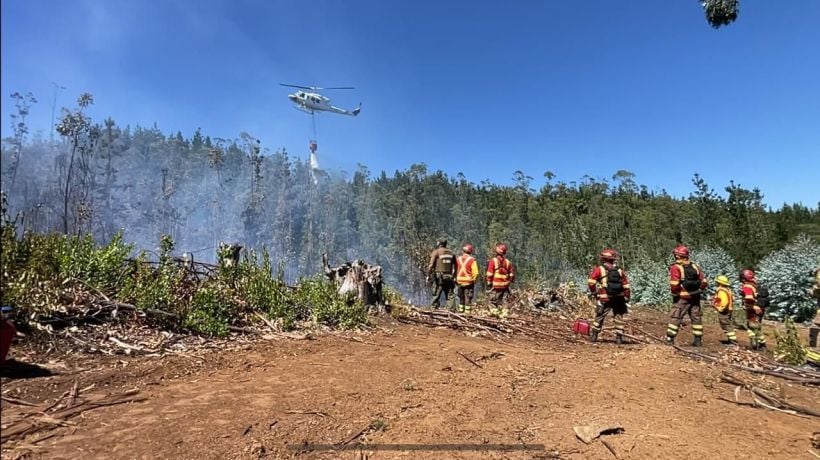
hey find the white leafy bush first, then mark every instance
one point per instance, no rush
(716, 261)
(786, 273)
(650, 283)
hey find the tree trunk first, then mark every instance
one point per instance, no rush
(359, 278)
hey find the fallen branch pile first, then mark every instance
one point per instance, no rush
(763, 366)
(762, 398)
(564, 299)
(19, 423)
(484, 325)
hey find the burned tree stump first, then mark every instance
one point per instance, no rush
(359, 278)
(228, 254)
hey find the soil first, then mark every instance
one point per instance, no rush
(408, 391)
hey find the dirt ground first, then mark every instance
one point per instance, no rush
(404, 391)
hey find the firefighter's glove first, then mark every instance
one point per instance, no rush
(758, 310)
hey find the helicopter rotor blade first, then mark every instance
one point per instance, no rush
(297, 86)
(339, 87)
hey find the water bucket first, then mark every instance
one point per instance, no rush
(580, 327)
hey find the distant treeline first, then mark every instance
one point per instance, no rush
(98, 177)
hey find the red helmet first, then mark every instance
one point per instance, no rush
(468, 248)
(501, 249)
(608, 254)
(681, 251)
(747, 275)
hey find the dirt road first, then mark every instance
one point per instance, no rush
(412, 392)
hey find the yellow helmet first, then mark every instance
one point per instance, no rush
(722, 280)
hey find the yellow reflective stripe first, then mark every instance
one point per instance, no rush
(698, 327)
(697, 333)
(672, 326)
(591, 281)
(674, 282)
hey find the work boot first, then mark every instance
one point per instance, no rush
(593, 336)
(761, 346)
(670, 339)
(753, 344)
(697, 341)
(619, 339)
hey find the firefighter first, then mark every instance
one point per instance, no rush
(466, 276)
(754, 311)
(723, 302)
(814, 329)
(442, 268)
(500, 274)
(610, 285)
(686, 281)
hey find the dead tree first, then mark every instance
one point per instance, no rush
(358, 278)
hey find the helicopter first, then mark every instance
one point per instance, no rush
(310, 101)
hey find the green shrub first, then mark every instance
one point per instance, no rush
(326, 306)
(789, 349)
(212, 311)
(37, 269)
(264, 292)
(392, 296)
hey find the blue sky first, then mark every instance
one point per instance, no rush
(577, 88)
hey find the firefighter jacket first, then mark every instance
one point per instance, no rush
(442, 260)
(607, 281)
(466, 270)
(723, 300)
(500, 273)
(749, 292)
(686, 279)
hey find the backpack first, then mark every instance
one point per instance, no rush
(690, 281)
(763, 297)
(614, 281)
(501, 269)
(445, 264)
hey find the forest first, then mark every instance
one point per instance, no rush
(95, 177)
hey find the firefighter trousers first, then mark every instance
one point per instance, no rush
(444, 286)
(754, 328)
(727, 325)
(686, 306)
(617, 306)
(497, 296)
(465, 294)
